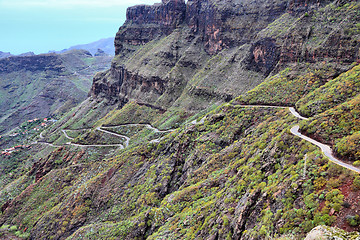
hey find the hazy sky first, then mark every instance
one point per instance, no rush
(43, 25)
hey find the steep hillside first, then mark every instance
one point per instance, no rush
(41, 85)
(193, 131)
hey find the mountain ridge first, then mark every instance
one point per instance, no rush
(105, 44)
(39, 82)
(225, 170)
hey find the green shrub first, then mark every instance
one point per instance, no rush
(356, 183)
(6, 227)
(356, 163)
(13, 228)
(225, 220)
(353, 220)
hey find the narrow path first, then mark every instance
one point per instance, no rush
(296, 114)
(324, 148)
(127, 139)
(45, 143)
(198, 122)
(95, 145)
(66, 135)
(41, 135)
(327, 151)
(156, 130)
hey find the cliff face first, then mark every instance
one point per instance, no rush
(163, 51)
(220, 24)
(144, 23)
(195, 32)
(224, 24)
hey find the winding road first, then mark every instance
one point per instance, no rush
(324, 148)
(122, 146)
(127, 139)
(136, 125)
(142, 124)
(327, 151)
(46, 143)
(65, 134)
(296, 114)
(83, 145)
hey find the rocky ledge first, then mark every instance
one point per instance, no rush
(144, 22)
(31, 63)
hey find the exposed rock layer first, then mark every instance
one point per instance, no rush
(48, 62)
(163, 71)
(144, 23)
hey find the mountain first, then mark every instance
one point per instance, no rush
(5, 54)
(37, 86)
(211, 123)
(106, 45)
(27, 54)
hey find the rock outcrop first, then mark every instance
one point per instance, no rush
(327, 233)
(145, 23)
(181, 39)
(264, 55)
(229, 24)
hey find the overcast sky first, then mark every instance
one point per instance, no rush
(43, 25)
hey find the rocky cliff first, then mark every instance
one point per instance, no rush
(156, 153)
(145, 23)
(166, 52)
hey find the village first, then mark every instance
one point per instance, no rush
(9, 151)
(29, 127)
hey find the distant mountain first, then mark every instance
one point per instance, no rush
(8, 54)
(5, 54)
(40, 85)
(27, 54)
(106, 45)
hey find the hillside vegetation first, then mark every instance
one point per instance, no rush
(187, 135)
(41, 85)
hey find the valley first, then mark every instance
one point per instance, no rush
(214, 120)
(43, 85)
